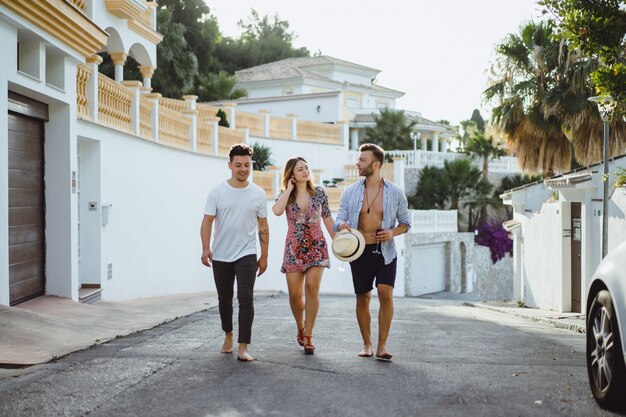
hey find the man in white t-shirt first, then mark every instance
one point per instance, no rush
(238, 208)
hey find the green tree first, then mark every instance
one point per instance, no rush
(432, 191)
(482, 146)
(461, 177)
(466, 127)
(479, 199)
(217, 86)
(392, 131)
(177, 65)
(223, 118)
(477, 118)
(263, 40)
(598, 28)
(528, 65)
(261, 157)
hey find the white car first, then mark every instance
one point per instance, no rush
(606, 324)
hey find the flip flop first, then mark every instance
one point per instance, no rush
(366, 355)
(239, 358)
(384, 357)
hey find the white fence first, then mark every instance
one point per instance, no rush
(433, 221)
(420, 159)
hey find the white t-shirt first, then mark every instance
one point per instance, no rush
(235, 227)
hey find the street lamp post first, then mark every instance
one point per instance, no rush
(606, 106)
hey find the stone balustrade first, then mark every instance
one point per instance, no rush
(185, 124)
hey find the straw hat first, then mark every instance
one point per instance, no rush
(348, 245)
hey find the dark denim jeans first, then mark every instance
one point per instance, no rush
(224, 273)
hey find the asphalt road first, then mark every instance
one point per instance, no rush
(449, 360)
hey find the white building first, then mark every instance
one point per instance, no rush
(328, 89)
(557, 234)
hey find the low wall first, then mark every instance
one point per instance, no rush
(493, 281)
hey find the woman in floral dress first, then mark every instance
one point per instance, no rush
(306, 251)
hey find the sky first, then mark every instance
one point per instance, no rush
(438, 52)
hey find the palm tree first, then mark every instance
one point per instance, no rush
(540, 87)
(392, 131)
(431, 191)
(461, 176)
(480, 145)
(220, 86)
(479, 199)
(261, 157)
(526, 67)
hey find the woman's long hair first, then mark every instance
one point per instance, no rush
(290, 165)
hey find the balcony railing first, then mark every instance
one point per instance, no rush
(80, 4)
(114, 104)
(184, 124)
(433, 221)
(420, 159)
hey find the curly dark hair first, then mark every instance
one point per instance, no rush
(240, 149)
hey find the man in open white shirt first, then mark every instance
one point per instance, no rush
(238, 208)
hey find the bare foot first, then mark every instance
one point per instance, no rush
(227, 346)
(366, 352)
(383, 355)
(242, 353)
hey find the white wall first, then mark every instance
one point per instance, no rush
(305, 108)
(157, 197)
(541, 263)
(8, 37)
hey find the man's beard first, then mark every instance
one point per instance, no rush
(368, 170)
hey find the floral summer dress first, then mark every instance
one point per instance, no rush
(305, 245)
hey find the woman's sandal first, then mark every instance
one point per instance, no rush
(300, 336)
(309, 347)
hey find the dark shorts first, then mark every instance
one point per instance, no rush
(369, 267)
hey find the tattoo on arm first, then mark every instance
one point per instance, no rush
(263, 235)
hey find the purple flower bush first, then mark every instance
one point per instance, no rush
(492, 234)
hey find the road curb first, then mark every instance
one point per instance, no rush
(575, 327)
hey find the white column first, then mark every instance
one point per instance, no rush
(424, 143)
(444, 145)
(154, 117)
(214, 133)
(275, 170)
(266, 121)
(354, 138)
(135, 116)
(119, 59)
(294, 125)
(193, 128)
(435, 142)
(192, 113)
(398, 172)
(345, 133)
(92, 86)
(5, 38)
(147, 72)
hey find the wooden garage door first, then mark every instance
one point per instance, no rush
(26, 208)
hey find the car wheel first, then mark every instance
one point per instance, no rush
(605, 361)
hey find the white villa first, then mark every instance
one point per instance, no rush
(103, 181)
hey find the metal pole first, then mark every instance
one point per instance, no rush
(605, 192)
